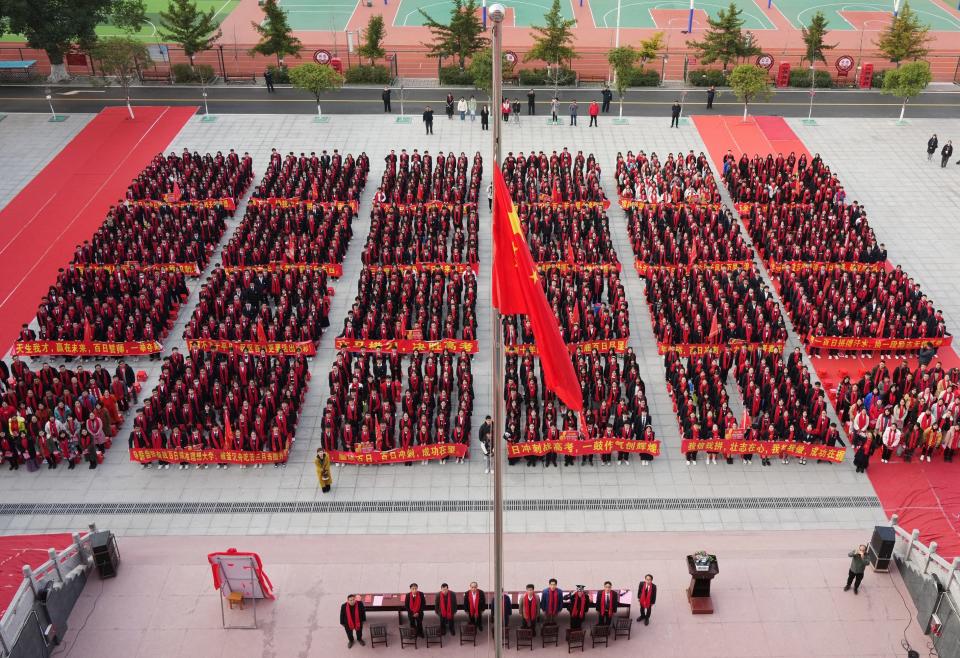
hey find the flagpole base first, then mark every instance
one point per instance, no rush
(902, 122)
(323, 119)
(208, 118)
(809, 122)
(683, 121)
(59, 118)
(621, 121)
(404, 120)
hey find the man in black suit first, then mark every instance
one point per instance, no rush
(646, 598)
(415, 603)
(474, 603)
(945, 153)
(607, 603)
(352, 616)
(428, 119)
(446, 608)
(675, 115)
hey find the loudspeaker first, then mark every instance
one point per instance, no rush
(106, 555)
(881, 547)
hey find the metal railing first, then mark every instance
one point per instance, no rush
(54, 570)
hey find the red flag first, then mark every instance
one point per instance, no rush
(745, 420)
(576, 313)
(315, 190)
(378, 432)
(227, 431)
(571, 257)
(290, 254)
(261, 334)
(714, 328)
(176, 191)
(517, 289)
(882, 325)
(87, 331)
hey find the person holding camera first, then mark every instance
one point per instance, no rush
(857, 566)
(486, 428)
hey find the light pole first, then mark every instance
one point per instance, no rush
(809, 121)
(616, 38)
(496, 14)
(666, 52)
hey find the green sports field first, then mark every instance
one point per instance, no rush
(798, 12)
(526, 12)
(150, 33)
(637, 13)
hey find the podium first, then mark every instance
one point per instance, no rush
(698, 593)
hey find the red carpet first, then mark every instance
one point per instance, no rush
(66, 202)
(18, 550)
(757, 135)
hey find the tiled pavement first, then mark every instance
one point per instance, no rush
(851, 147)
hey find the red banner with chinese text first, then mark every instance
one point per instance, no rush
(304, 347)
(643, 268)
(204, 456)
(189, 269)
(581, 447)
(80, 348)
(468, 206)
(400, 455)
(297, 202)
(227, 202)
(564, 204)
(766, 449)
(619, 345)
(446, 268)
(564, 266)
(798, 266)
(628, 203)
(406, 346)
(334, 270)
(696, 349)
(878, 344)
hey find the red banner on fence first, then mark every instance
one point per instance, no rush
(564, 266)
(406, 346)
(400, 455)
(619, 345)
(80, 348)
(799, 266)
(446, 268)
(628, 203)
(696, 349)
(878, 344)
(766, 449)
(189, 269)
(227, 202)
(296, 202)
(204, 456)
(581, 447)
(304, 347)
(334, 270)
(643, 268)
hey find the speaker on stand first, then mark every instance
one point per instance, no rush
(106, 554)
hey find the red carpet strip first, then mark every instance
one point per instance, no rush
(18, 550)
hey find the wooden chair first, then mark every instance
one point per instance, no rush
(432, 635)
(468, 633)
(408, 637)
(550, 634)
(574, 639)
(506, 634)
(378, 635)
(622, 627)
(600, 634)
(524, 638)
(235, 599)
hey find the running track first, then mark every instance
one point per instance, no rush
(67, 201)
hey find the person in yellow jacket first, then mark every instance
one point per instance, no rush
(324, 472)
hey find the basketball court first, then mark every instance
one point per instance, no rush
(319, 15)
(865, 14)
(524, 13)
(670, 14)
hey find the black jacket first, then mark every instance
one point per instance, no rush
(653, 594)
(428, 116)
(465, 602)
(343, 613)
(453, 602)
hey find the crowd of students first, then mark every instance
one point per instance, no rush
(665, 234)
(559, 177)
(192, 177)
(61, 416)
(375, 403)
(415, 178)
(677, 179)
(321, 178)
(418, 234)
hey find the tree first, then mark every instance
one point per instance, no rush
(191, 29)
(749, 83)
(462, 37)
(814, 36)
(55, 25)
(906, 82)
(129, 15)
(276, 35)
(315, 78)
(622, 60)
(373, 40)
(481, 68)
(121, 58)
(649, 48)
(553, 42)
(724, 40)
(905, 38)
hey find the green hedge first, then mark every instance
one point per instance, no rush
(707, 78)
(375, 74)
(452, 75)
(281, 74)
(801, 78)
(644, 78)
(543, 77)
(877, 81)
(199, 73)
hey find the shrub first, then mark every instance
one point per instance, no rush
(801, 78)
(544, 77)
(182, 73)
(452, 75)
(643, 78)
(281, 74)
(707, 78)
(365, 73)
(877, 81)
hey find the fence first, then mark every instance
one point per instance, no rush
(21, 631)
(235, 63)
(934, 585)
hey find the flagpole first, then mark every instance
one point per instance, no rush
(496, 14)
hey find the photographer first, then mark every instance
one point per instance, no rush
(485, 430)
(857, 567)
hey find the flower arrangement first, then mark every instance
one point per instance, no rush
(702, 560)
